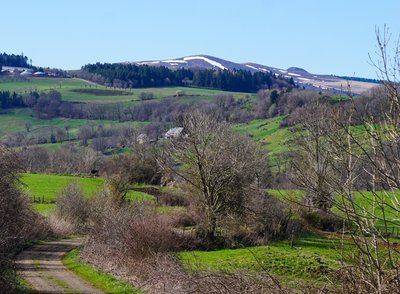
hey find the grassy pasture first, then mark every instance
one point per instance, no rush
(268, 132)
(65, 86)
(368, 204)
(49, 187)
(365, 202)
(309, 261)
(270, 135)
(79, 90)
(14, 120)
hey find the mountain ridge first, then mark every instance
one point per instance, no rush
(305, 79)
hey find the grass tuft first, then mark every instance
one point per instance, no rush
(100, 280)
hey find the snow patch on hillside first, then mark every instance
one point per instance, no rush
(149, 62)
(252, 67)
(174, 61)
(293, 74)
(212, 62)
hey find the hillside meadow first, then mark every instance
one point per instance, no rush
(14, 121)
(77, 90)
(310, 259)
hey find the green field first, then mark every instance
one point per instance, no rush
(365, 203)
(271, 136)
(48, 187)
(68, 88)
(268, 132)
(13, 121)
(310, 260)
(64, 86)
(71, 89)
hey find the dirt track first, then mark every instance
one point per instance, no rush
(42, 268)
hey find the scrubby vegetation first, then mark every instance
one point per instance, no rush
(18, 223)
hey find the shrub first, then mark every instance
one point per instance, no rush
(180, 93)
(184, 219)
(139, 167)
(146, 96)
(129, 230)
(18, 223)
(270, 219)
(164, 198)
(322, 220)
(72, 206)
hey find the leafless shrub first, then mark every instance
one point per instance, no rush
(225, 282)
(129, 230)
(72, 207)
(323, 220)
(267, 219)
(184, 219)
(169, 199)
(138, 167)
(165, 198)
(357, 280)
(60, 226)
(18, 223)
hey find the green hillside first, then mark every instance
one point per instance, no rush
(78, 90)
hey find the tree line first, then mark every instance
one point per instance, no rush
(14, 60)
(10, 100)
(141, 76)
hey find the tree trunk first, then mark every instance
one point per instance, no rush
(211, 225)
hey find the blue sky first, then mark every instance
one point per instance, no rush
(332, 37)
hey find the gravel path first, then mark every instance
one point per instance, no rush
(41, 266)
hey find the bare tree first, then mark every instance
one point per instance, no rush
(221, 167)
(312, 165)
(371, 151)
(28, 126)
(379, 151)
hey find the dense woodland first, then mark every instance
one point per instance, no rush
(14, 60)
(141, 76)
(361, 79)
(10, 100)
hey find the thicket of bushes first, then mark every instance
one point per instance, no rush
(18, 223)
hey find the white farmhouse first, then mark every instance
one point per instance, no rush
(173, 133)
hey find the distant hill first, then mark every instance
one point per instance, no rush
(303, 78)
(213, 76)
